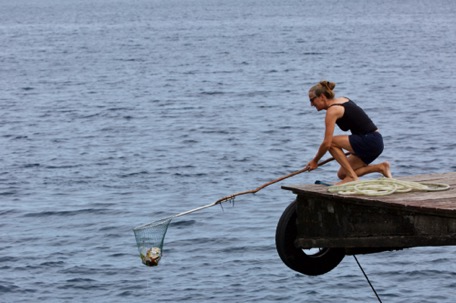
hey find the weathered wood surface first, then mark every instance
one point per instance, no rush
(441, 202)
(396, 221)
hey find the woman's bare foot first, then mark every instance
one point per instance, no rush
(346, 180)
(386, 170)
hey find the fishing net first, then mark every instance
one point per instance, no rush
(150, 238)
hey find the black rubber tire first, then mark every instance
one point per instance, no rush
(311, 264)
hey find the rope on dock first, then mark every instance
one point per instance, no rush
(384, 186)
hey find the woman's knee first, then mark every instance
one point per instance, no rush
(341, 174)
(341, 142)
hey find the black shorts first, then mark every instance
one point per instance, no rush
(367, 147)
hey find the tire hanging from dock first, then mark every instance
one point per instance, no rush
(312, 261)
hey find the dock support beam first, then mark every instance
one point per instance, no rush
(335, 221)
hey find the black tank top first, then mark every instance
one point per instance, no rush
(355, 119)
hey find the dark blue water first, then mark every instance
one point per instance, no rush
(118, 113)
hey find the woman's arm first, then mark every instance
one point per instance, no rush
(332, 114)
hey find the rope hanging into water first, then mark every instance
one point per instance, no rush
(384, 186)
(367, 279)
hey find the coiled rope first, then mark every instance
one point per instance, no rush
(384, 186)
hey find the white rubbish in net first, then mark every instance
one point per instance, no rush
(149, 239)
(384, 186)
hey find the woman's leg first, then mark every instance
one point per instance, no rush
(347, 165)
(356, 163)
(382, 168)
(353, 164)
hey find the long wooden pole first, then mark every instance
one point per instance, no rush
(231, 197)
(253, 191)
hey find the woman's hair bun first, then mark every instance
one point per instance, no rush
(324, 87)
(328, 85)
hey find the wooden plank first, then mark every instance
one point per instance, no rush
(392, 242)
(439, 202)
(396, 221)
(329, 223)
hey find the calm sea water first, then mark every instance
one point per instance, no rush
(118, 113)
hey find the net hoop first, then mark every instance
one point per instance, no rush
(150, 238)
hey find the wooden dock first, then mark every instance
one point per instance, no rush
(364, 224)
